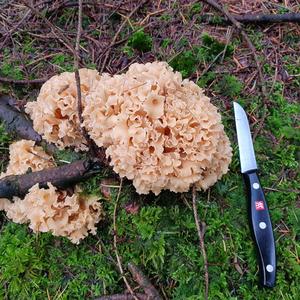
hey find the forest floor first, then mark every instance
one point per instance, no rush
(159, 233)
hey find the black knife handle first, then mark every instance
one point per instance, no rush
(262, 229)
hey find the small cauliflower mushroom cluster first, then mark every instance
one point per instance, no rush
(160, 131)
(73, 216)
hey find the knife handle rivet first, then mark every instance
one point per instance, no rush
(262, 225)
(255, 185)
(269, 268)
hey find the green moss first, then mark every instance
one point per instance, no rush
(206, 79)
(64, 62)
(166, 42)
(229, 86)
(185, 63)
(196, 8)
(140, 41)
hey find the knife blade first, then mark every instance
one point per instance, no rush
(260, 222)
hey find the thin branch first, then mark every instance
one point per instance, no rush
(115, 245)
(268, 18)
(76, 65)
(255, 18)
(201, 241)
(144, 282)
(92, 146)
(123, 297)
(21, 82)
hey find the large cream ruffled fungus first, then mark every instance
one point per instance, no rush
(55, 114)
(160, 131)
(51, 210)
(73, 216)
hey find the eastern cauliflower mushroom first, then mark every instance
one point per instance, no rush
(55, 115)
(160, 131)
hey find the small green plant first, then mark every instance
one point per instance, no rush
(166, 42)
(211, 48)
(64, 62)
(207, 79)
(8, 68)
(196, 8)
(229, 86)
(165, 17)
(128, 51)
(140, 41)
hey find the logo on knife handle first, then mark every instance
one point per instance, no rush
(259, 205)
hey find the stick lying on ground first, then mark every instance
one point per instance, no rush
(124, 297)
(151, 292)
(63, 176)
(256, 18)
(144, 282)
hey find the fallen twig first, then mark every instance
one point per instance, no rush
(201, 241)
(119, 263)
(268, 18)
(77, 79)
(63, 176)
(255, 18)
(144, 282)
(123, 297)
(25, 81)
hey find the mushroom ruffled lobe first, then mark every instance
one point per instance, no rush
(160, 131)
(55, 113)
(24, 155)
(50, 210)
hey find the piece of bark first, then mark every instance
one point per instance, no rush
(144, 282)
(61, 177)
(19, 125)
(15, 122)
(124, 297)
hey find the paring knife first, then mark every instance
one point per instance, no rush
(258, 210)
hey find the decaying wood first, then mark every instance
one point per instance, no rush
(144, 282)
(62, 177)
(15, 122)
(123, 297)
(18, 125)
